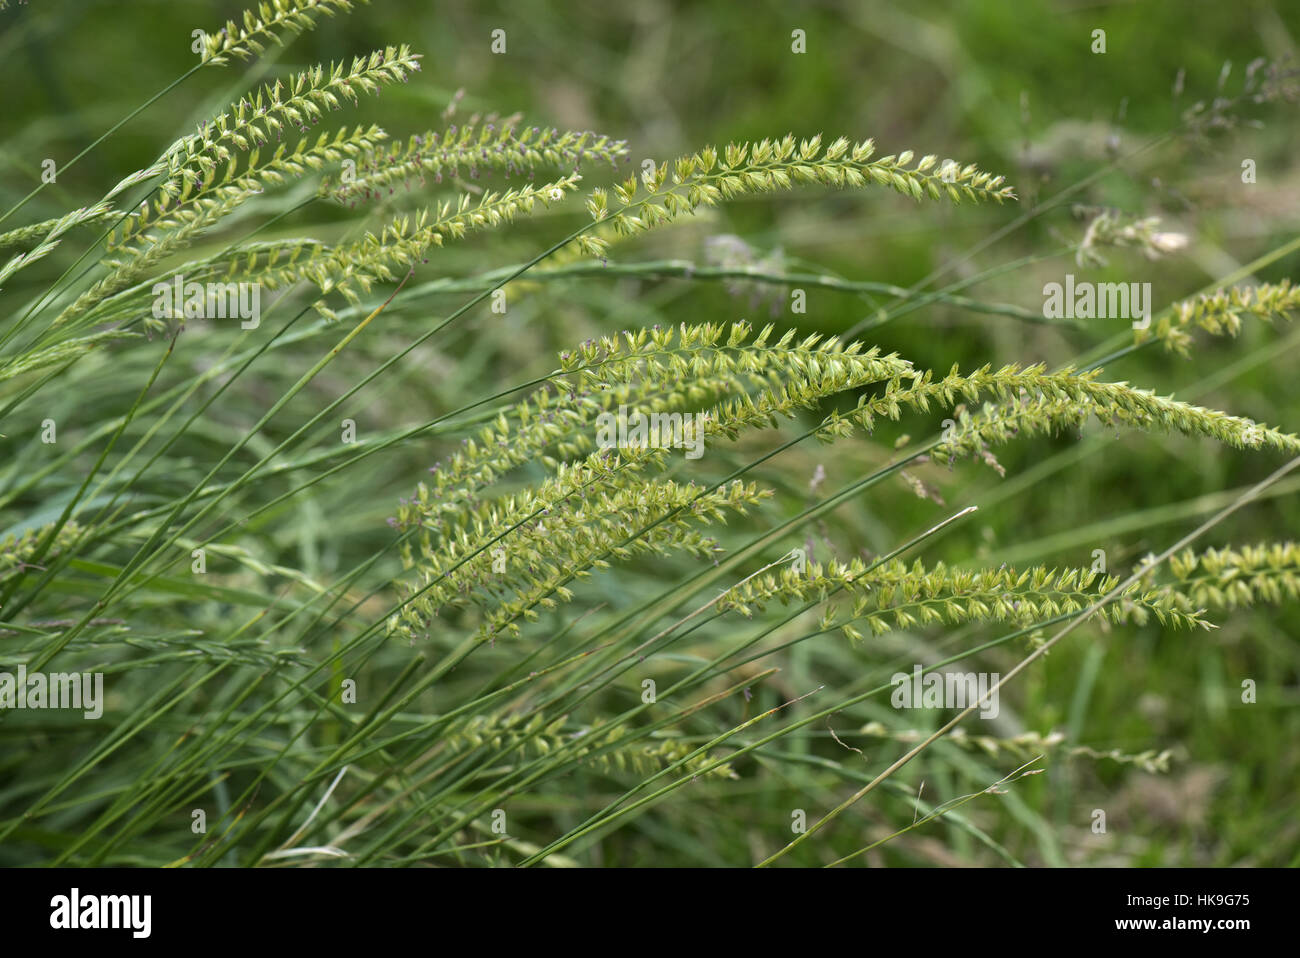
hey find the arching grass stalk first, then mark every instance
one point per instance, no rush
(1039, 652)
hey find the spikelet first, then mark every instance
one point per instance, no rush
(276, 109)
(894, 595)
(1221, 312)
(511, 737)
(476, 148)
(268, 22)
(405, 240)
(549, 526)
(1026, 745)
(708, 178)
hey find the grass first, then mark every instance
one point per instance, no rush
(317, 650)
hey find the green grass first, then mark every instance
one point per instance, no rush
(315, 712)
